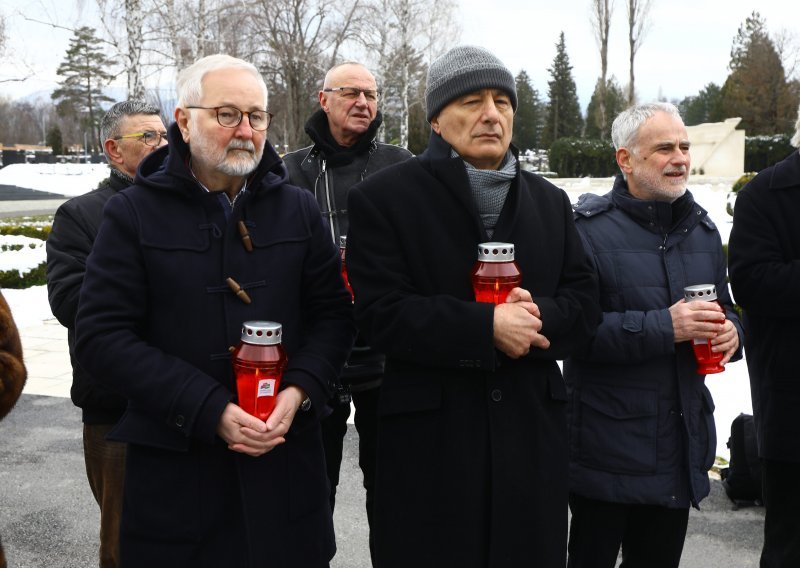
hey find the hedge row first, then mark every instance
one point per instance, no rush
(12, 278)
(763, 151)
(33, 231)
(578, 157)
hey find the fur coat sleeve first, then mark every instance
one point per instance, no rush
(12, 369)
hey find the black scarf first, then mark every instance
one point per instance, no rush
(336, 155)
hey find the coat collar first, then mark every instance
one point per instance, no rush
(452, 173)
(786, 173)
(660, 217)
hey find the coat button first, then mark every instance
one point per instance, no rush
(179, 421)
(497, 395)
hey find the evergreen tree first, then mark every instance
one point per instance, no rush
(85, 74)
(563, 116)
(528, 119)
(705, 106)
(757, 89)
(54, 140)
(615, 102)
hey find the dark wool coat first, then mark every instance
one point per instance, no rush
(155, 321)
(472, 457)
(74, 230)
(641, 418)
(764, 251)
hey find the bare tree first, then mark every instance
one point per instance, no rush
(124, 25)
(2, 33)
(638, 12)
(184, 30)
(786, 44)
(404, 36)
(601, 22)
(300, 40)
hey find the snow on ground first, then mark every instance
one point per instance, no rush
(29, 307)
(64, 179)
(31, 255)
(731, 390)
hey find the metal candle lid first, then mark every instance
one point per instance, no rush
(262, 332)
(705, 292)
(495, 252)
(343, 241)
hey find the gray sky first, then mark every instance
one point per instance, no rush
(687, 46)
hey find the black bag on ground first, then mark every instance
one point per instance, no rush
(742, 479)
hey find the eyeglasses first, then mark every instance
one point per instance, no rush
(352, 93)
(149, 137)
(231, 117)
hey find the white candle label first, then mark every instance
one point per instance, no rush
(266, 387)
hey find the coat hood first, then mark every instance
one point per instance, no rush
(161, 169)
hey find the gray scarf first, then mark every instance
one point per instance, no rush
(490, 188)
(121, 175)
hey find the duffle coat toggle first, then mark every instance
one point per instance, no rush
(238, 290)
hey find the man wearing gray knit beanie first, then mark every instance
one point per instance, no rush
(472, 453)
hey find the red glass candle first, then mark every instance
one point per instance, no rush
(258, 363)
(707, 360)
(343, 254)
(495, 273)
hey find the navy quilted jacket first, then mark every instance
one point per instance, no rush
(641, 418)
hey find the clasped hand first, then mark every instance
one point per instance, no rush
(517, 324)
(247, 434)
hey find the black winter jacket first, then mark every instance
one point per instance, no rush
(329, 172)
(765, 277)
(74, 230)
(641, 418)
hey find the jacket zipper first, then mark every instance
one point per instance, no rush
(328, 201)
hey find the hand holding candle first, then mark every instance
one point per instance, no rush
(708, 360)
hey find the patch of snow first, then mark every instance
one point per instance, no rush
(29, 307)
(62, 179)
(31, 255)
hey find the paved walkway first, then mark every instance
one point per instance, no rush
(47, 359)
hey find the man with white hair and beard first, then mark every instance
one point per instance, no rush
(641, 426)
(211, 235)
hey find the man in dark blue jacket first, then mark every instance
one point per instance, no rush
(131, 130)
(642, 435)
(211, 235)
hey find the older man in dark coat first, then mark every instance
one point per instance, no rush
(208, 237)
(472, 458)
(765, 277)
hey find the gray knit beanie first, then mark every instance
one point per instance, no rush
(463, 70)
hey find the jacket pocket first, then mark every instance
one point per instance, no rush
(618, 429)
(703, 431)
